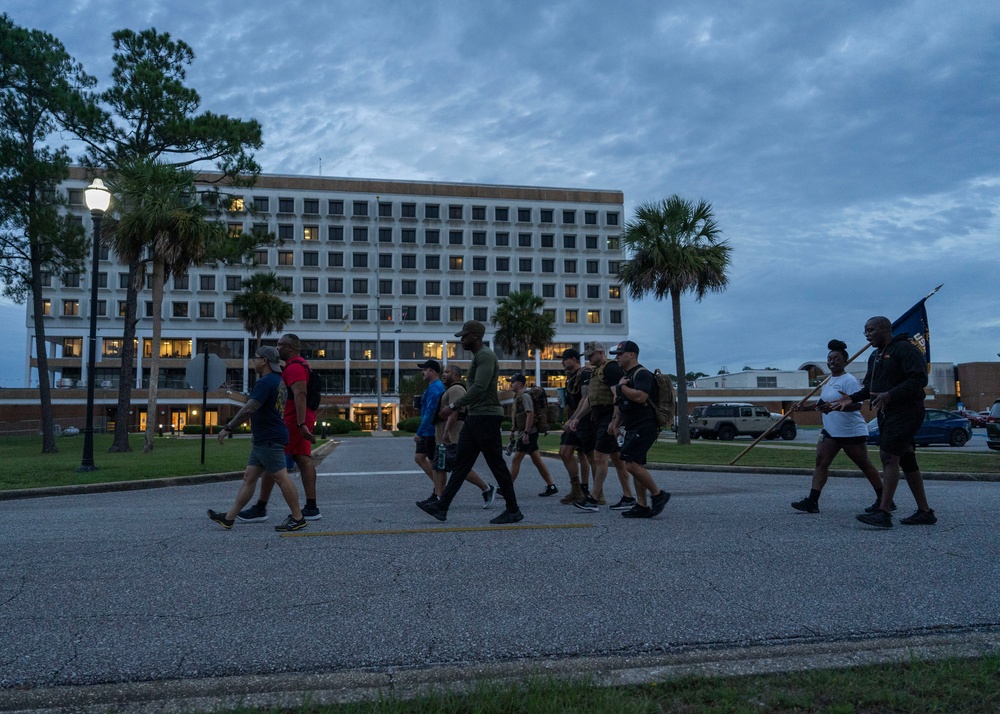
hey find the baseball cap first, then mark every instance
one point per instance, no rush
(626, 346)
(472, 327)
(271, 355)
(569, 353)
(518, 377)
(592, 347)
(431, 364)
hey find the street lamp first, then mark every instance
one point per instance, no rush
(98, 199)
(378, 334)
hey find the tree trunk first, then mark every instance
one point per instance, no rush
(126, 378)
(683, 431)
(42, 359)
(154, 359)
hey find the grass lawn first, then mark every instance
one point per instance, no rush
(953, 686)
(701, 452)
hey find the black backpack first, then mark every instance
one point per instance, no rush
(314, 387)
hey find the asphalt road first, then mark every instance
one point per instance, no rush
(140, 585)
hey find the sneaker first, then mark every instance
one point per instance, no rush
(220, 518)
(508, 517)
(874, 507)
(433, 498)
(657, 502)
(638, 511)
(623, 505)
(254, 514)
(434, 509)
(810, 506)
(489, 496)
(920, 518)
(601, 501)
(311, 513)
(879, 518)
(588, 504)
(550, 490)
(290, 524)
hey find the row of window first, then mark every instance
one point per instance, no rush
(388, 313)
(431, 236)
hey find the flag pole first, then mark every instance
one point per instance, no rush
(818, 387)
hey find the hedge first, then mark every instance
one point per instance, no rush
(410, 425)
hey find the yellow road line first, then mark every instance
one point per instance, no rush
(407, 531)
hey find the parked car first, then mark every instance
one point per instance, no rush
(70, 431)
(939, 427)
(696, 414)
(993, 436)
(976, 419)
(727, 421)
(994, 415)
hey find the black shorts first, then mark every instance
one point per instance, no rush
(530, 447)
(824, 435)
(426, 445)
(583, 438)
(638, 440)
(603, 441)
(897, 429)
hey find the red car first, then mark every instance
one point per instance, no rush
(975, 418)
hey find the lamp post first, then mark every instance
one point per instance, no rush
(378, 333)
(98, 199)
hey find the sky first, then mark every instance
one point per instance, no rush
(850, 150)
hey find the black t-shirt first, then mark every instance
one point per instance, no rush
(634, 413)
(574, 388)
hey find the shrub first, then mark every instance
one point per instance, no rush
(506, 425)
(212, 430)
(341, 426)
(411, 425)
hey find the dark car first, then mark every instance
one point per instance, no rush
(976, 419)
(993, 436)
(994, 415)
(939, 427)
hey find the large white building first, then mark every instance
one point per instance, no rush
(409, 261)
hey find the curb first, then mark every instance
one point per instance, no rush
(321, 452)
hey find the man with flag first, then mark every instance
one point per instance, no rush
(897, 375)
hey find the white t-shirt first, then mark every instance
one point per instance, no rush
(843, 425)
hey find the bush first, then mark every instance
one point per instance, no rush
(341, 426)
(506, 425)
(212, 430)
(410, 425)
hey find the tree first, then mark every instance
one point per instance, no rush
(152, 116)
(674, 247)
(521, 324)
(260, 305)
(38, 80)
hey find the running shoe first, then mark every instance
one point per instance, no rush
(920, 518)
(220, 518)
(809, 506)
(881, 519)
(508, 517)
(623, 505)
(433, 509)
(311, 513)
(874, 507)
(638, 511)
(254, 514)
(550, 490)
(588, 504)
(657, 503)
(290, 524)
(489, 496)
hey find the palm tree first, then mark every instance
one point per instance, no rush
(157, 214)
(521, 325)
(675, 247)
(260, 305)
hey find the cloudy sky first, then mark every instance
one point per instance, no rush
(850, 149)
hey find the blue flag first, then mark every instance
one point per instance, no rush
(913, 324)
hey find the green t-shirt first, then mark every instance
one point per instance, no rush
(481, 397)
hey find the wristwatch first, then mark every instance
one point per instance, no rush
(302, 425)
(452, 406)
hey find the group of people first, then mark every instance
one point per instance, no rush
(612, 421)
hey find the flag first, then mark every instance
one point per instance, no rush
(913, 324)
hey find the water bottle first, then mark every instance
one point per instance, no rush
(441, 458)
(621, 438)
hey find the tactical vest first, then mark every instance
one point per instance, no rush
(599, 394)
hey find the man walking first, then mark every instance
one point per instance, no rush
(525, 433)
(430, 401)
(481, 433)
(895, 381)
(267, 455)
(576, 447)
(636, 403)
(300, 421)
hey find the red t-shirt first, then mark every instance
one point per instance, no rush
(296, 370)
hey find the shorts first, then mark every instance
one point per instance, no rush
(583, 438)
(298, 445)
(269, 456)
(603, 441)
(530, 447)
(638, 440)
(897, 430)
(824, 435)
(426, 445)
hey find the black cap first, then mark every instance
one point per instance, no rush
(626, 346)
(472, 327)
(569, 353)
(431, 364)
(518, 377)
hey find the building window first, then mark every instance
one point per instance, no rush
(455, 238)
(359, 312)
(335, 207)
(550, 313)
(385, 235)
(572, 317)
(455, 213)
(767, 382)
(524, 265)
(408, 287)
(548, 240)
(335, 233)
(122, 307)
(102, 280)
(408, 210)
(548, 290)
(478, 237)
(71, 280)
(593, 292)
(46, 279)
(385, 209)
(503, 289)
(181, 282)
(385, 260)
(524, 240)
(287, 284)
(614, 243)
(206, 309)
(286, 205)
(432, 237)
(360, 234)
(72, 347)
(570, 291)
(480, 313)
(479, 289)
(432, 314)
(615, 317)
(524, 215)
(102, 308)
(286, 257)
(179, 309)
(286, 232)
(612, 218)
(590, 218)
(408, 235)
(526, 288)
(310, 312)
(359, 260)
(569, 242)
(548, 265)
(310, 258)
(615, 292)
(569, 266)
(503, 265)
(409, 261)
(310, 285)
(71, 307)
(456, 314)
(545, 215)
(502, 240)
(335, 286)
(593, 267)
(614, 266)
(75, 196)
(310, 206)
(478, 213)
(385, 287)
(233, 283)
(432, 287)
(334, 312)
(360, 208)
(310, 232)
(432, 262)
(593, 317)
(360, 286)
(335, 260)
(501, 213)
(479, 263)
(231, 311)
(591, 242)
(455, 262)
(456, 288)
(432, 210)
(569, 217)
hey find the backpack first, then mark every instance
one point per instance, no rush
(540, 406)
(314, 387)
(665, 403)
